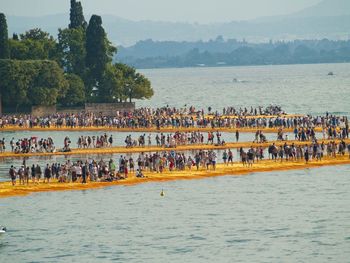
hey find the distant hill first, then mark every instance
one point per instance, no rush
(328, 19)
(220, 52)
(326, 8)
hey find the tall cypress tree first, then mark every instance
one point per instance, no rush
(96, 49)
(4, 38)
(76, 15)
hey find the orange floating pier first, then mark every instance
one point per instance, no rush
(189, 147)
(7, 190)
(147, 130)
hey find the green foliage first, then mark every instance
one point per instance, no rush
(19, 49)
(77, 19)
(133, 85)
(99, 50)
(43, 71)
(4, 44)
(110, 89)
(36, 34)
(31, 82)
(96, 48)
(43, 96)
(15, 37)
(34, 44)
(71, 46)
(75, 94)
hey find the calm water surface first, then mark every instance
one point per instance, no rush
(298, 88)
(294, 216)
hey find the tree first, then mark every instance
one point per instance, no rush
(99, 51)
(142, 88)
(75, 94)
(71, 46)
(31, 82)
(134, 85)
(110, 89)
(15, 37)
(14, 83)
(36, 34)
(19, 49)
(50, 81)
(4, 44)
(77, 19)
(34, 44)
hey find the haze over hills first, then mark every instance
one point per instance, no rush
(328, 19)
(326, 8)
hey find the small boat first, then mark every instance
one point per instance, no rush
(330, 73)
(2, 230)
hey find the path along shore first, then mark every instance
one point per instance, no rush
(138, 149)
(7, 190)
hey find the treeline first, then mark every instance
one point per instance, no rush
(220, 52)
(36, 69)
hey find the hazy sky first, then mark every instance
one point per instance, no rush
(203, 11)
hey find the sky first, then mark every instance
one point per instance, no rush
(201, 11)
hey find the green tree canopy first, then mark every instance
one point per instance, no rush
(43, 71)
(77, 19)
(4, 44)
(110, 89)
(133, 85)
(34, 44)
(36, 34)
(99, 51)
(75, 94)
(71, 46)
(31, 82)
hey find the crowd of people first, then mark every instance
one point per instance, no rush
(142, 117)
(171, 140)
(30, 145)
(99, 141)
(107, 171)
(164, 140)
(166, 118)
(254, 111)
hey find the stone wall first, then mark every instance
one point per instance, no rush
(41, 111)
(97, 108)
(75, 110)
(109, 108)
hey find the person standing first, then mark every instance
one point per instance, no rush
(224, 157)
(33, 173)
(26, 175)
(47, 174)
(84, 173)
(38, 173)
(306, 154)
(230, 157)
(12, 174)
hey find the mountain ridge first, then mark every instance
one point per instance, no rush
(327, 19)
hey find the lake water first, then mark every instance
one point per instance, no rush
(294, 216)
(297, 88)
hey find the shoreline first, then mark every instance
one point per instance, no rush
(139, 149)
(237, 169)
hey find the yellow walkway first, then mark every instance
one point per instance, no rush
(7, 190)
(190, 147)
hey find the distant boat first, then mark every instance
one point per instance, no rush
(330, 73)
(2, 230)
(239, 81)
